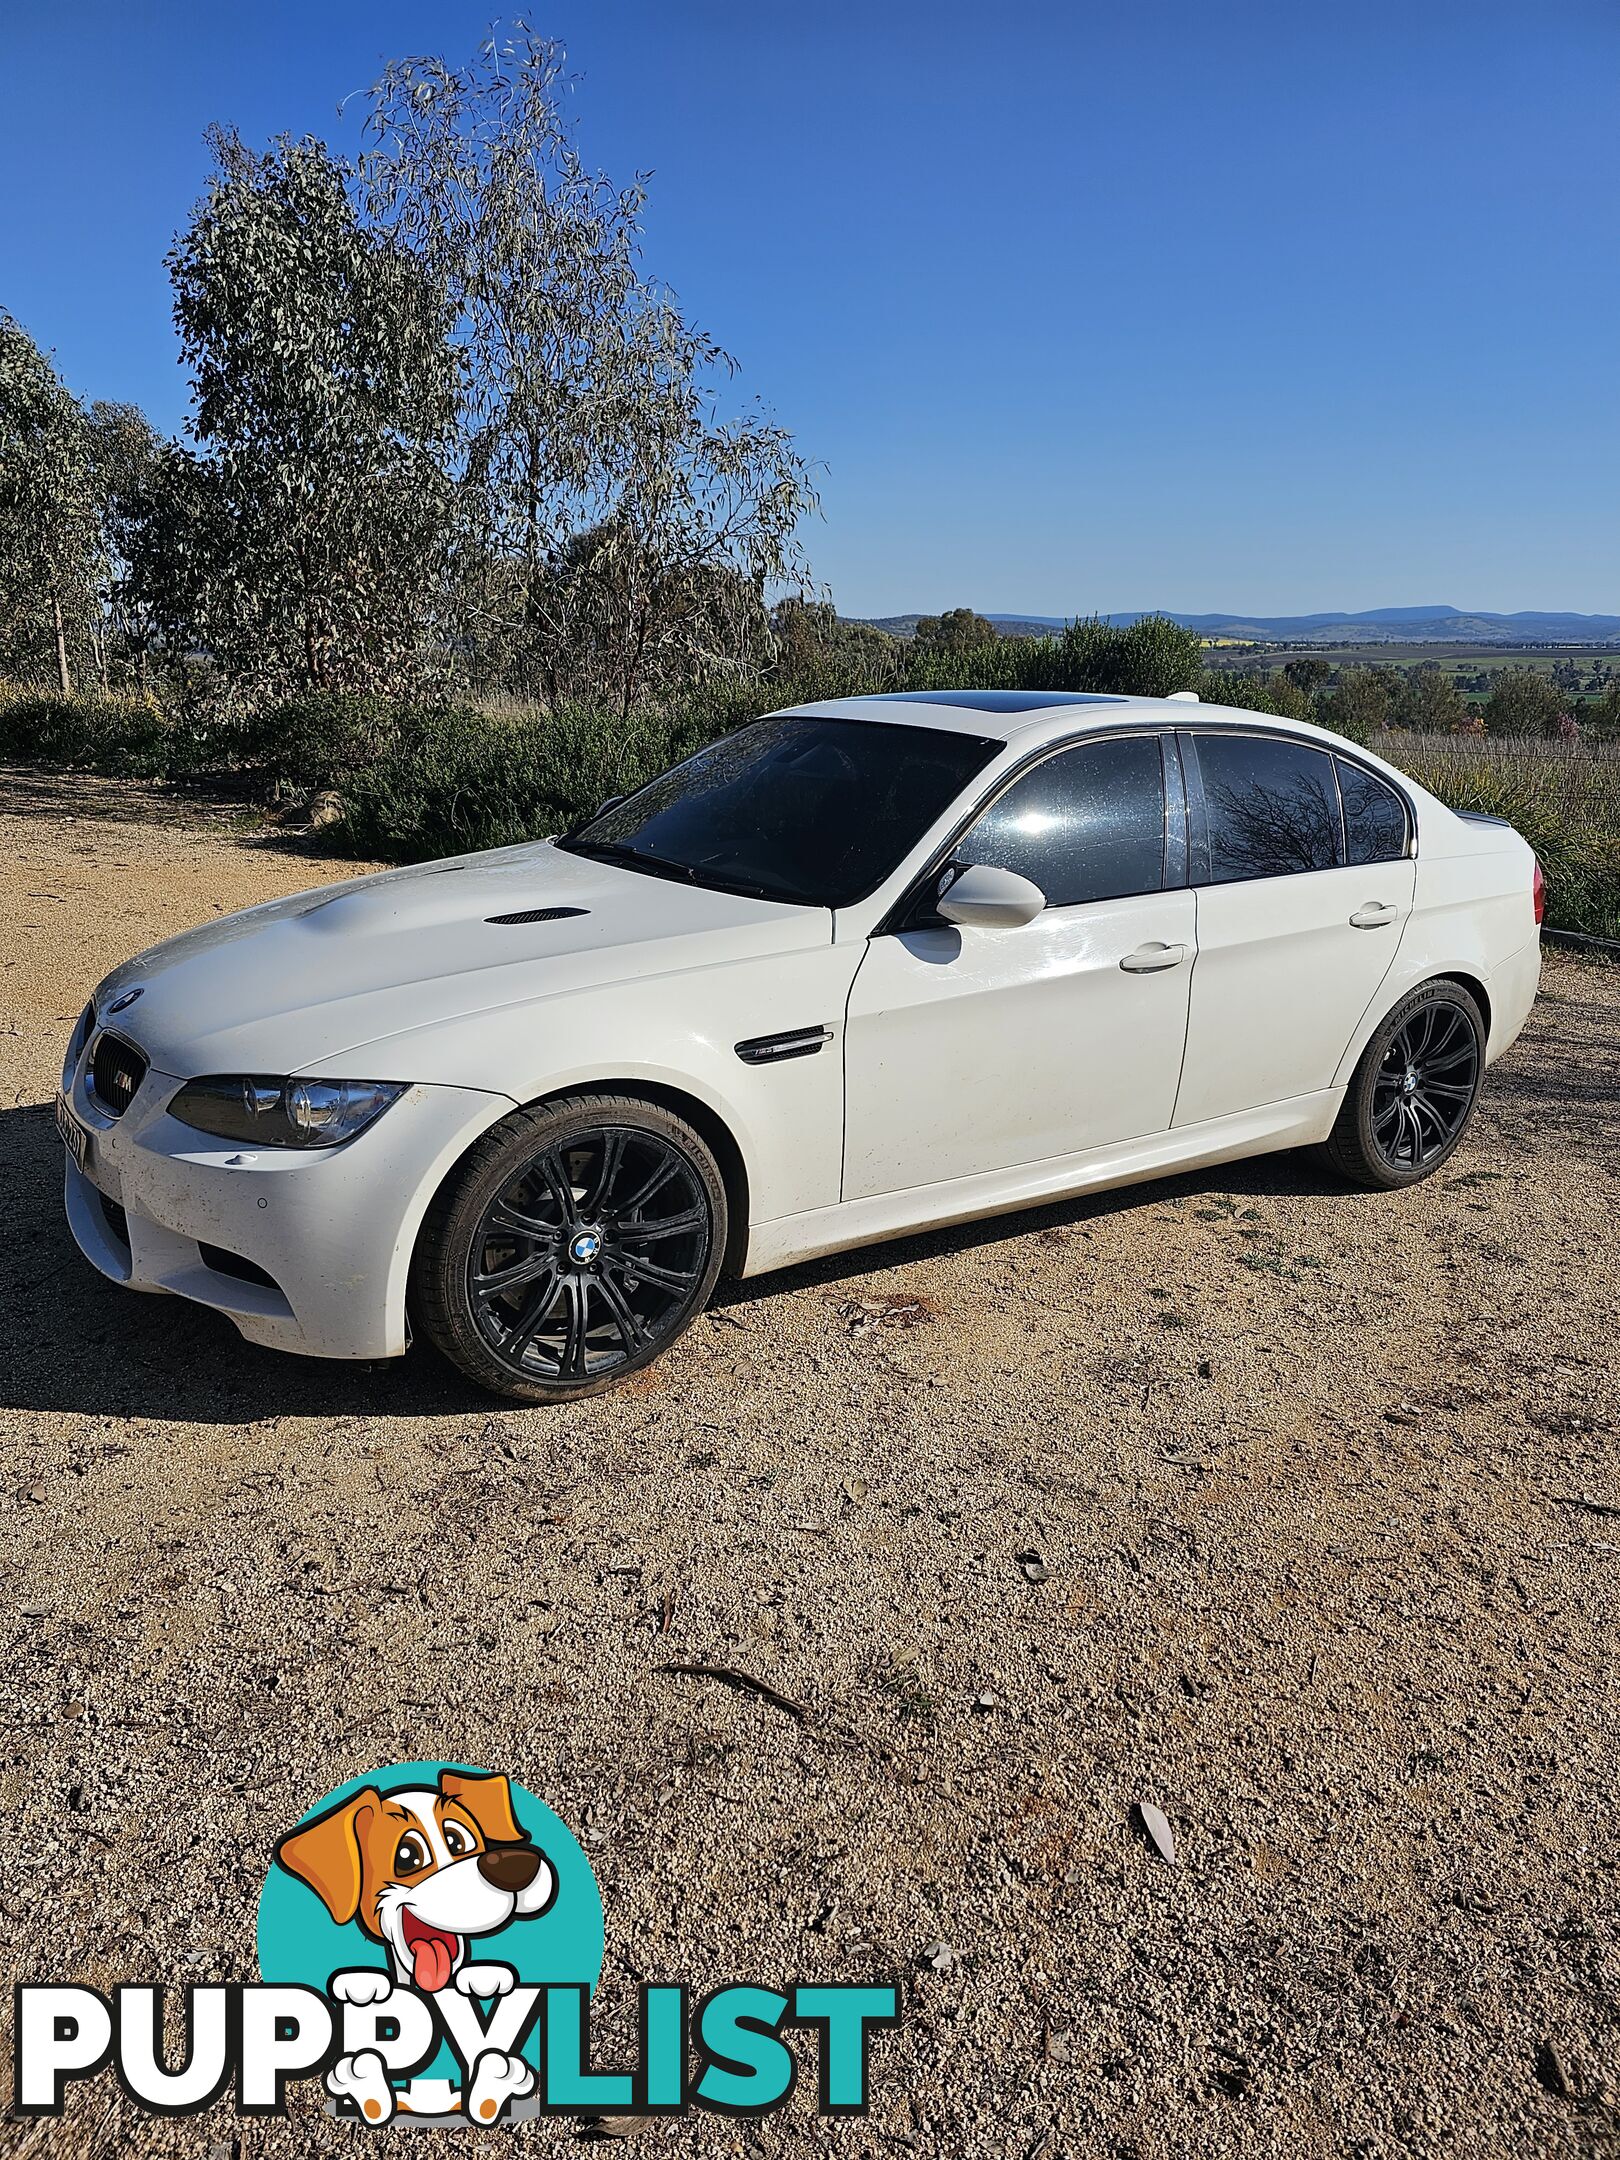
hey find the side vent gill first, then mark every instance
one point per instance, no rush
(538, 914)
(774, 1049)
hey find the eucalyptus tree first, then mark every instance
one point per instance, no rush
(303, 544)
(48, 524)
(617, 530)
(125, 452)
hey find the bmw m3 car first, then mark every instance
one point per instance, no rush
(861, 968)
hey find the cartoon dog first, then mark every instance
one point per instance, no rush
(423, 1871)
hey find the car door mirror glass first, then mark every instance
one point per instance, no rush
(990, 899)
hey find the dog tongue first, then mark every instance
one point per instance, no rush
(430, 1963)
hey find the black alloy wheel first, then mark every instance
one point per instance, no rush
(575, 1245)
(1413, 1092)
(1425, 1086)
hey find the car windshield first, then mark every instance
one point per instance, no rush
(799, 808)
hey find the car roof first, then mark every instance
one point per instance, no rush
(1029, 716)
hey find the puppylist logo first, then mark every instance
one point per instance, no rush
(429, 1940)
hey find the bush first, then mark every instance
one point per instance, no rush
(123, 737)
(1258, 692)
(445, 786)
(321, 742)
(1523, 702)
(1361, 704)
(1151, 657)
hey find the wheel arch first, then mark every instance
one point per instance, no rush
(700, 1115)
(1472, 984)
(1396, 986)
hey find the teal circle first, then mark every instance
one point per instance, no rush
(300, 1944)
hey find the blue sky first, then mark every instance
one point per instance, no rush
(1266, 305)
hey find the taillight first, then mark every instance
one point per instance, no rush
(1538, 890)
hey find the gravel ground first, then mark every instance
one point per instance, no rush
(1328, 1521)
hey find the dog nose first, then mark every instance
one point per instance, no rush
(511, 1867)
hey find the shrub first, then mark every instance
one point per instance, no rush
(1523, 702)
(322, 741)
(1361, 704)
(124, 737)
(1151, 657)
(1260, 691)
(447, 787)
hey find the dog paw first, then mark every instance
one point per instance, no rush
(485, 1980)
(363, 2078)
(364, 1985)
(496, 2079)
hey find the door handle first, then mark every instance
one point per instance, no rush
(1376, 915)
(1149, 959)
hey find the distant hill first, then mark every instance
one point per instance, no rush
(1374, 626)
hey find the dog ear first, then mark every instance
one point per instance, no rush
(488, 1800)
(325, 1854)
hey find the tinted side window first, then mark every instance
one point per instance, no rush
(1271, 807)
(1374, 817)
(1087, 824)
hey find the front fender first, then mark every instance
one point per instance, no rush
(677, 1032)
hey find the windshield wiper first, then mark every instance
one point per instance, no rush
(616, 851)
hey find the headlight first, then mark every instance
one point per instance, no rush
(267, 1112)
(75, 1048)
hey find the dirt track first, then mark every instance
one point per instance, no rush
(1325, 1494)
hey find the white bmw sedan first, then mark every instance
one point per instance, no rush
(863, 968)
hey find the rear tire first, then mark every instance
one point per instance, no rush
(570, 1247)
(1413, 1090)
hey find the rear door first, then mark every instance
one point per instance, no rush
(970, 1050)
(1303, 870)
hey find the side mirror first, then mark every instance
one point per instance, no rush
(990, 899)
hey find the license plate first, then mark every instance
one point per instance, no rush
(74, 1137)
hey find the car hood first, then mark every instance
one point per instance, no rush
(285, 987)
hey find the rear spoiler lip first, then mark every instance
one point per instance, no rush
(1484, 817)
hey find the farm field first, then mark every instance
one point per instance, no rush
(1280, 1506)
(1454, 659)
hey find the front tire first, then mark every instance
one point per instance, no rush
(571, 1247)
(1413, 1090)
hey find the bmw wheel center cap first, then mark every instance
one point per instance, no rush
(584, 1247)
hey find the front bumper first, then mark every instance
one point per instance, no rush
(158, 1207)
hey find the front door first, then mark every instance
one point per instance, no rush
(973, 1050)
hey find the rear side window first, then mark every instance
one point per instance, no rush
(1087, 824)
(1374, 817)
(1271, 808)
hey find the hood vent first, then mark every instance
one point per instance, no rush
(538, 914)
